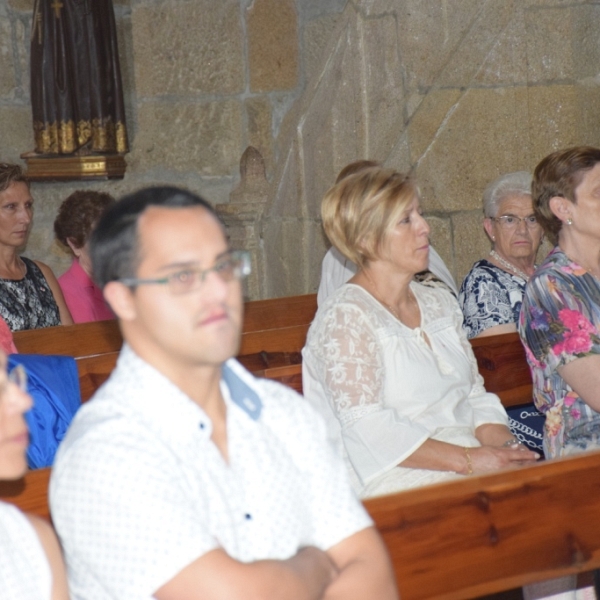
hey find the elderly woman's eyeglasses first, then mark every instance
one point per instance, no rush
(512, 221)
(234, 265)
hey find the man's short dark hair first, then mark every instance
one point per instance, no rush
(114, 244)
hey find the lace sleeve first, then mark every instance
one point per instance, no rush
(348, 357)
(353, 368)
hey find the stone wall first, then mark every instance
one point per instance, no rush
(203, 80)
(460, 91)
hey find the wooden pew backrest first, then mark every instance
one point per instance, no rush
(29, 493)
(80, 340)
(468, 538)
(482, 535)
(503, 365)
(277, 313)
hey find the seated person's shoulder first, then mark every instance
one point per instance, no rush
(349, 311)
(349, 299)
(436, 295)
(482, 270)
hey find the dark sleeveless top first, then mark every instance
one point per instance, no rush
(28, 303)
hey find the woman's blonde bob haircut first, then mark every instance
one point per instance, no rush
(359, 210)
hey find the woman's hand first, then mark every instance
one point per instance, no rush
(442, 456)
(485, 459)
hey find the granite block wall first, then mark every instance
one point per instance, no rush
(459, 91)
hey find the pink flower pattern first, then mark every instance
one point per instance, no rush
(559, 323)
(576, 339)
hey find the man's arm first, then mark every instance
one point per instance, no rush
(583, 375)
(365, 570)
(217, 576)
(356, 568)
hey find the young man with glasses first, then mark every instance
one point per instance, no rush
(185, 477)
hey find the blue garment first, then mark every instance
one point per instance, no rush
(526, 423)
(53, 383)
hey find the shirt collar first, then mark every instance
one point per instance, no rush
(164, 407)
(241, 393)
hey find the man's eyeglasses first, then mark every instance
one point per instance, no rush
(512, 221)
(234, 265)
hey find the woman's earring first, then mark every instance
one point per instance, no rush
(569, 221)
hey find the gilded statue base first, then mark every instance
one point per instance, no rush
(72, 168)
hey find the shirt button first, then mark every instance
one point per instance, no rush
(248, 516)
(201, 425)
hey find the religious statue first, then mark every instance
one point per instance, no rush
(76, 91)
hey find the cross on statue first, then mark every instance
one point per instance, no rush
(56, 6)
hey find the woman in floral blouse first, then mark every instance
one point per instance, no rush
(560, 318)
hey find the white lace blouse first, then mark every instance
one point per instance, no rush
(383, 390)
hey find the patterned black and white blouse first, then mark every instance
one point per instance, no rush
(28, 303)
(488, 297)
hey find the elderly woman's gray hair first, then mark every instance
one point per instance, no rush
(511, 184)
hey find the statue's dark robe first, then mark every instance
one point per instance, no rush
(76, 91)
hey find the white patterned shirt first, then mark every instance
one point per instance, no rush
(24, 570)
(139, 491)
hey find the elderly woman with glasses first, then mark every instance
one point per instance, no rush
(492, 292)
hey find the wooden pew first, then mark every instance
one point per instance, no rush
(273, 335)
(455, 540)
(95, 347)
(30, 493)
(503, 365)
(483, 535)
(473, 537)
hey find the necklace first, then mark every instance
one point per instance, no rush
(509, 266)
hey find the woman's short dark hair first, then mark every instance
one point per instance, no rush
(559, 174)
(10, 173)
(78, 214)
(114, 245)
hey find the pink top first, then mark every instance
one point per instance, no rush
(6, 338)
(84, 298)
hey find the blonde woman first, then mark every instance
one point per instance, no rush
(386, 360)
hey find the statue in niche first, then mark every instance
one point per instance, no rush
(76, 91)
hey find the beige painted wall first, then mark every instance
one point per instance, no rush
(459, 90)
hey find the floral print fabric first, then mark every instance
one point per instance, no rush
(488, 297)
(559, 323)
